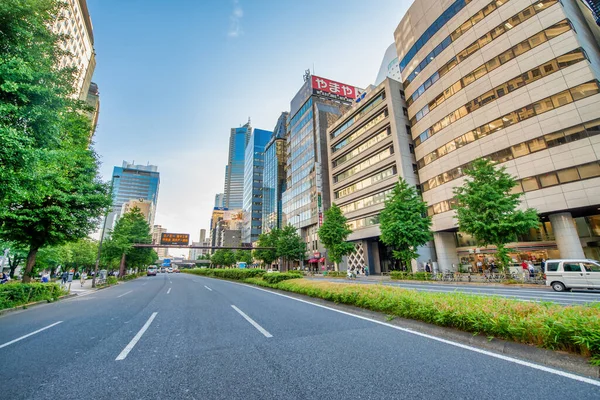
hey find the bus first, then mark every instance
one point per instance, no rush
(240, 264)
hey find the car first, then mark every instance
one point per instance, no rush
(566, 274)
(170, 269)
(163, 270)
(176, 270)
(151, 271)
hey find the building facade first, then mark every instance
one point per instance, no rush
(370, 148)
(253, 184)
(515, 81)
(220, 200)
(157, 231)
(146, 207)
(133, 182)
(234, 171)
(274, 179)
(216, 217)
(318, 104)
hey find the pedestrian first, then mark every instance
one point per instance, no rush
(543, 265)
(4, 278)
(83, 278)
(427, 268)
(64, 277)
(492, 266)
(525, 268)
(531, 269)
(366, 270)
(45, 277)
(479, 266)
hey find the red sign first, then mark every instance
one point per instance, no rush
(333, 89)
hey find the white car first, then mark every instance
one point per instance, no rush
(567, 274)
(170, 270)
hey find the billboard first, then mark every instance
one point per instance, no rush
(175, 239)
(332, 89)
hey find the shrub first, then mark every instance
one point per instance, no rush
(336, 274)
(410, 276)
(236, 274)
(112, 280)
(278, 277)
(16, 294)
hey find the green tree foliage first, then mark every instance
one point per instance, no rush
(487, 210)
(269, 239)
(244, 256)
(404, 222)
(50, 193)
(290, 245)
(83, 254)
(333, 234)
(217, 258)
(16, 255)
(228, 258)
(130, 229)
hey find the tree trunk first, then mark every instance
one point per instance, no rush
(122, 266)
(30, 263)
(13, 265)
(336, 267)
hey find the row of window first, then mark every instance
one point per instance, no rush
(363, 147)
(559, 177)
(356, 134)
(368, 201)
(301, 112)
(382, 155)
(484, 69)
(548, 141)
(364, 183)
(539, 107)
(365, 110)
(458, 32)
(363, 222)
(446, 16)
(492, 35)
(534, 74)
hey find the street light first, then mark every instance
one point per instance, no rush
(112, 183)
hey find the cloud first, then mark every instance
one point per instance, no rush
(235, 20)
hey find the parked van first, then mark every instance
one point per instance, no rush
(572, 274)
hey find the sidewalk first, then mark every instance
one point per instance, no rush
(77, 289)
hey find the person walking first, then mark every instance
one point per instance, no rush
(64, 277)
(366, 270)
(427, 267)
(83, 278)
(531, 269)
(543, 265)
(525, 268)
(4, 278)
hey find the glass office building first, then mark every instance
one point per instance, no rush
(274, 176)
(253, 184)
(234, 171)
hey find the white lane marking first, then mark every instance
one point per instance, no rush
(456, 344)
(169, 291)
(29, 334)
(136, 338)
(208, 288)
(126, 293)
(253, 322)
(144, 284)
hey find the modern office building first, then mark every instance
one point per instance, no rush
(220, 200)
(515, 81)
(274, 176)
(93, 100)
(318, 104)
(389, 66)
(217, 215)
(594, 6)
(76, 25)
(146, 207)
(234, 171)
(370, 148)
(253, 184)
(132, 182)
(157, 231)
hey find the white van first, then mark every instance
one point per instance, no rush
(572, 274)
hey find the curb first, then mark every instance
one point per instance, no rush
(475, 284)
(557, 359)
(37, 303)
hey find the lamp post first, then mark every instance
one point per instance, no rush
(102, 234)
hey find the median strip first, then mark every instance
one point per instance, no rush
(30, 334)
(252, 322)
(136, 338)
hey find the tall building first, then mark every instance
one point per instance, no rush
(195, 253)
(318, 104)
(93, 100)
(274, 176)
(234, 171)
(146, 207)
(133, 182)
(515, 81)
(594, 6)
(369, 149)
(76, 25)
(220, 200)
(157, 231)
(216, 217)
(389, 66)
(253, 184)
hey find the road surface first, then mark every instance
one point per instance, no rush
(542, 293)
(189, 337)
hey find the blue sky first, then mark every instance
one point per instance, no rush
(176, 75)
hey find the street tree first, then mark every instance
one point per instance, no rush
(488, 210)
(15, 254)
(244, 256)
(217, 258)
(49, 258)
(333, 234)
(404, 223)
(269, 239)
(228, 257)
(290, 245)
(83, 254)
(130, 229)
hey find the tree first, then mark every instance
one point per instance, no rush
(487, 210)
(50, 257)
(244, 256)
(333, 234)
(83, 253)
(290, 245)
(217, 258)
(269, 239)
(15, 256)
(404, 222)
(130, 229)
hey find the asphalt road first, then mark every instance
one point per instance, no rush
(540, 294)
(188, 337)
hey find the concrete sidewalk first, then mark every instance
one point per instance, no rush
(78, 289)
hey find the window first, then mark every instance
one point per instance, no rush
(585, 90)
(521, 48)
(552, 266)
(570, 58)
(537, 39)
(568, 175)
(536, 144)
(405, 111)
(529, 184)
(506, 56)
(561, 99)
(591, 267)
(571, 267)
(549, 179)
(574, 133)
(589, 170)
(520, 150)
(554, 139)
(557, 29)
(542, 106)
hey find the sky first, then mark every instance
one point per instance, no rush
(176, 75)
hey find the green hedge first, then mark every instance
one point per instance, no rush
(336, 274)
(410, 276)
(236, 274)
(278, 277)
(17, 294)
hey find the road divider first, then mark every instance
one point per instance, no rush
(252, 322)
(30, 334)
(136, 338)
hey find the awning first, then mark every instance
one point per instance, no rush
(322, 259)
(313, 260)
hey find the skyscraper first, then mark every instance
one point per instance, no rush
(319, 103)
(274, 176)
(234, 171)
(253, 184)
(220, 200)
(133, 182)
